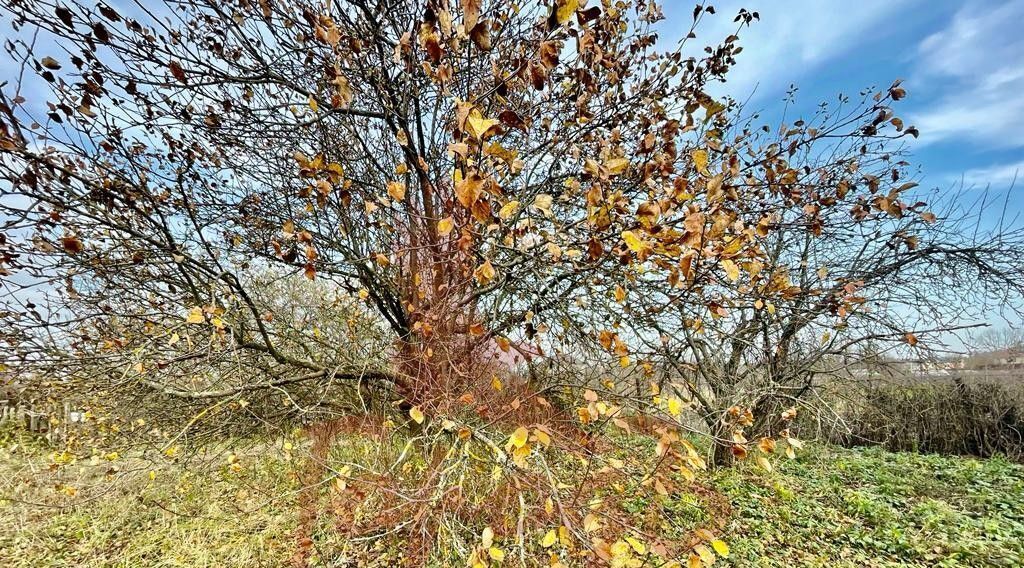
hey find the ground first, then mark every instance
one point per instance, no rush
(828, 507)
(869, 507)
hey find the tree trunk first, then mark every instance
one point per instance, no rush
(723, 455)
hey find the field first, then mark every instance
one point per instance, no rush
(828, 507)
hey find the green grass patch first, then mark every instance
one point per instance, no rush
(868, 507)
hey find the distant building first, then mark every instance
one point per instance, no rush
(1000, 360)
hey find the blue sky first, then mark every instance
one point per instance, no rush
(962, 64)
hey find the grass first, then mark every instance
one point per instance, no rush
(829, 507)
(131, 512)
(870, 507)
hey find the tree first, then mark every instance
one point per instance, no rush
(476, 178)
(846, 277)
(435, 171)
(1001, 339)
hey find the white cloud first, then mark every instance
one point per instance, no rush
(978, 61)
(792, 38)
(997, 175)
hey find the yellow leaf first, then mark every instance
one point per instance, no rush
(549, 540)
(468, 190)
(616, 166)
(565, 10)
(496, 554)
(634, 242)
(416, 414)
(519, 437)
(396, 190)
(619, 549)
(195, 315)
(496, 383)
(620, 293)
(519, 455)
(705, 554)
(542, 436)
(721, 548)
(484, 273)
(731, 270)
(563, 536)
(445, 226)
(700, 160)
(543, 203)
(508, 209)
(714, 189)
(734, 245)
(674, 406)
(313, 105)
(693, 562)
(636, 545)
(712, 108)
(590, 523)
(479, 126)
(764, 463)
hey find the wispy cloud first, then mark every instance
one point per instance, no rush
(977, 61)
(794, 38)
(996, 175)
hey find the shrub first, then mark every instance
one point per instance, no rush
(981, 419)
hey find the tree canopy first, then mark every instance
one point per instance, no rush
(414, 206)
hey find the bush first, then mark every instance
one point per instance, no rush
(981, 419)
